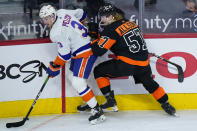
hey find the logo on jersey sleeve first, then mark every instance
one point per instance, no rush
(66, 20)
(60, 44)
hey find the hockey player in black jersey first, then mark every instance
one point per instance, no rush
(123, 38)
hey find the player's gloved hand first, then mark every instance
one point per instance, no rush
(93, 31)
(53, 70)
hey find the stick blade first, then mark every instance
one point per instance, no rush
(180, 74)
(15, 124)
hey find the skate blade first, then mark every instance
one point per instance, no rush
(98, 120)
(175, 115)
(111, 109)
(115, 109)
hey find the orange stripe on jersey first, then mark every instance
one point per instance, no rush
(59, 61)
(83, 21)
(84, 54)
(133, 62)
(88, 96)
(124, 28)
(102, 82)
(54, 69)
(94, 41)
(82, 68)
(157, 94)
(106, 43)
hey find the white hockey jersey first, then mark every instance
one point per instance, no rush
(70, 35)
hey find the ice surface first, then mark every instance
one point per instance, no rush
(154, 120)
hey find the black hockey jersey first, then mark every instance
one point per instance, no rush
(125, 40)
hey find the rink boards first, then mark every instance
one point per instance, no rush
(22, 72)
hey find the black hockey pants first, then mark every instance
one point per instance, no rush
(142, 74)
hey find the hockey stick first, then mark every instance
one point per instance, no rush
(20, 123)
(179, 68)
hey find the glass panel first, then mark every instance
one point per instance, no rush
(170, 16)
(92, 6)
(73, 4)
(19, 19)
(161, 16)
(129, 8)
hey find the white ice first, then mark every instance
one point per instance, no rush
(154, 120)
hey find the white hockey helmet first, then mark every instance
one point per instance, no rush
(47, 10)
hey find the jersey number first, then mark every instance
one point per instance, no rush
(105, 39)
(80, 27)
(67, 20)
(132, 42)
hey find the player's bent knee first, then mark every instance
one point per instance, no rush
(79, 84)
(97, 72)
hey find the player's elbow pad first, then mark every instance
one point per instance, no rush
(97, 51)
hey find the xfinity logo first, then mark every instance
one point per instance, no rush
(29, 70)
(164, 24)
(18, 30)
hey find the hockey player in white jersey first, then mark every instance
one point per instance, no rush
(67, 30)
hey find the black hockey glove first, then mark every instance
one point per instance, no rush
(93, 31)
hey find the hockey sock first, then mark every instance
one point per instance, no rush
(104, 85)
(160, 95)
(88, 96)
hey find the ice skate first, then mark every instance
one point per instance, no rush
(168, 109)
(97, 115)
(111, 102)
(84, 107)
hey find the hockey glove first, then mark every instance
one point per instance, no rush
(93, 31)
(53, 70)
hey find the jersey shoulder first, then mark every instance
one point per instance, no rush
(74, 14)
(110, 30)
(56, 31)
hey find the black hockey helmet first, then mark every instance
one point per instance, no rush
(107, 9)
